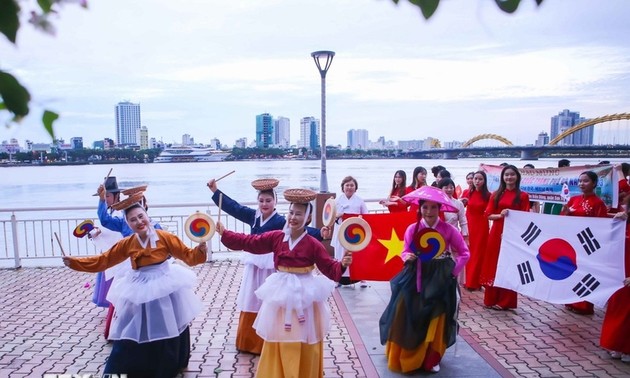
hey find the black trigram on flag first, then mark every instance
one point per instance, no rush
(588, 241)
(531, 233)
(586, 286)
(525, 271)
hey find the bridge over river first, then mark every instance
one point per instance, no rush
(558, 145)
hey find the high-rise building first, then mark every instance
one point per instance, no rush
(215, 143)
(143, 138)
(309, 133)
(564, 121)
(410, 145)
(264, 130)
(76, 143)
(108, 144)
(282, 132)
(358, 139)
(10, 147)
(543, 139)
(241, 143)
(187, 140)
(127, 123)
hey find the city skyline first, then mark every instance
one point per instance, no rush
(470, 70)
(274, 132)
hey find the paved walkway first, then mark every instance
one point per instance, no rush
(49, 325)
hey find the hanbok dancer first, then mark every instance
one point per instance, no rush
(294, 317)
(420, 321)
(257, 267)
(155, 303)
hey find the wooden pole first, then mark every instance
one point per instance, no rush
(60, 246)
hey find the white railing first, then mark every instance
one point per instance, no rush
(28, 233)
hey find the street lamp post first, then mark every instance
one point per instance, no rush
(323, 60)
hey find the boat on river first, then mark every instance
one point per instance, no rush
(186, 154)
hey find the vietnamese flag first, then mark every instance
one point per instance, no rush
(381, 259)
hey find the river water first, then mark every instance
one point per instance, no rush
(175, 183)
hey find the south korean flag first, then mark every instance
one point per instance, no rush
(561, 259)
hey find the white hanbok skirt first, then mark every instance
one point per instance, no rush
(155, 302)
(294, 307)
(256, 269)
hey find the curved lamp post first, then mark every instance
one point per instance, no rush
(323, 60)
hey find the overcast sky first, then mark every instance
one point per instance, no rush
(208, 67)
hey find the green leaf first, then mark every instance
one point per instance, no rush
(428, 7)
(46, 5)
(14, 95)
(508, 6)
(48, 118)
(9, 19)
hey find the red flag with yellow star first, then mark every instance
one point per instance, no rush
(381, 259)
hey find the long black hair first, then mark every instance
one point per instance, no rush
(502, 186)
(401, 188)
(414, 181)
(485, 193)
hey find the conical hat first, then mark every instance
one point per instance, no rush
(430, 193)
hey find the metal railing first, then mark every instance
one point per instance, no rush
(28, 233)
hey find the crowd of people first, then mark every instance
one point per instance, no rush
(289, 274)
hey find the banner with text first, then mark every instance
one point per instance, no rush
(559, 184)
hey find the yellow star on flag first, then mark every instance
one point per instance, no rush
(394, 246)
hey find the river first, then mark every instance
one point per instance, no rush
(174, 183)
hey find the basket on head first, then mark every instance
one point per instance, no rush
(127, 202)
(265, 184)
(299, 195)
(134, 190)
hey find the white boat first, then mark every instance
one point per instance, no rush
(178, 154)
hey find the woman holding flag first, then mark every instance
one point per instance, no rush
(420, 321)
(588, 204)
(507, 197)
(478, 228)
(616, 326)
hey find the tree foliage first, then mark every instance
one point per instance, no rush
(428, 7)
(15, 98)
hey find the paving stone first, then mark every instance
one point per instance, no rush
(42, 331)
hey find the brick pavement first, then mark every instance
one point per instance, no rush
(49, 325)
(540, 339)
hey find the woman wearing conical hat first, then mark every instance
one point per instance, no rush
(294, 317)
(420, 321)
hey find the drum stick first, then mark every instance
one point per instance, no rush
(220, 203)
(224, 176)
(108, 173)
(60, 246)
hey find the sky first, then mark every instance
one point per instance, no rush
(208, 67)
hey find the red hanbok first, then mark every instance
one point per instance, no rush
(496, 296)
(478, 228)
(616, 326)
(585, 206)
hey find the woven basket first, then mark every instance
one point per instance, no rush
(127, 202)
(135, 189)
(299, 195)
(265, 184)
